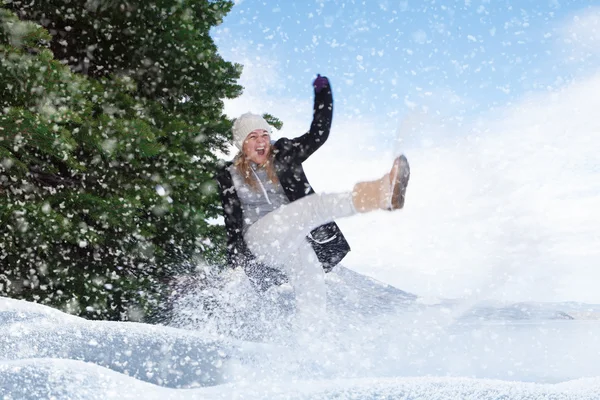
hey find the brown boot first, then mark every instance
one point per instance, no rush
(387, 193)
(399, 180)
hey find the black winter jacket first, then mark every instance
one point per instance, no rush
(327, 240)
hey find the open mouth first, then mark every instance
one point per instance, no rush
(260, 151)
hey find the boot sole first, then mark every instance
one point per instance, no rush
(400, 182)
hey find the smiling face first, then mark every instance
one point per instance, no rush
(257, 145)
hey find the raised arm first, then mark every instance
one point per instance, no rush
(304, 146)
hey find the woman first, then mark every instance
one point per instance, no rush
(277, 226)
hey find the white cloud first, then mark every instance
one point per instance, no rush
(260, 79)
(580, 35)
(509, 207)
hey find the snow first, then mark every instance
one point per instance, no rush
(33, 379)
(227, 342)
(521, 237)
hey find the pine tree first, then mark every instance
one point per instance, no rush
(110, 116)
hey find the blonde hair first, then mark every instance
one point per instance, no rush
(242, 164)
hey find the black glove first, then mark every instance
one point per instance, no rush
(320, 83)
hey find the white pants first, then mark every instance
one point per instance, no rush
(279, 240)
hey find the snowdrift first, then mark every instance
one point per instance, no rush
(225, 341)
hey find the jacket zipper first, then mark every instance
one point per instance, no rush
(261, 186)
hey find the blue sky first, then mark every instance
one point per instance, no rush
(384, 56)
(494, 103)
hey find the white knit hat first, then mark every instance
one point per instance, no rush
(245, 124)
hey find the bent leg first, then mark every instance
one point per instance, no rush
(307, 277)
(280, 233)
(279, 240)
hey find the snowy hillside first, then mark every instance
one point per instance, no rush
(379, 342)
